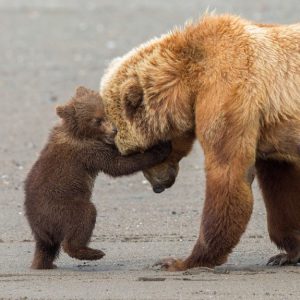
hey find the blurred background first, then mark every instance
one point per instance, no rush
(47, 49)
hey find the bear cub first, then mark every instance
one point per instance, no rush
(59, 186)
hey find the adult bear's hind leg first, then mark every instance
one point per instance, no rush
(280, 184)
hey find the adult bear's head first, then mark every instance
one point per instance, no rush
(149, 97)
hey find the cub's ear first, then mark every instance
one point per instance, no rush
(65, 111)
(131, 97)
(81, 91)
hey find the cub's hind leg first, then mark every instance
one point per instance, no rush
(79, 230)
(280, 184)
(45, 253)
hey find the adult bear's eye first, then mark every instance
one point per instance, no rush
(98, 121)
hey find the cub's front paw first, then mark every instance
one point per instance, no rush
(162, 150)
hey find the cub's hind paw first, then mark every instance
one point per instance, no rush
(42, 266)
(87, 254)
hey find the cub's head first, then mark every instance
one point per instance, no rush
(84, 116)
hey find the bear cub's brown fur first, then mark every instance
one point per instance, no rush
(59, 186)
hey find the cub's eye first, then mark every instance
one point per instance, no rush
(98, 121)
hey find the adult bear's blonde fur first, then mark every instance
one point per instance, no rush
(236, 84)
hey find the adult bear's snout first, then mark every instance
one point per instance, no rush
(158, 189)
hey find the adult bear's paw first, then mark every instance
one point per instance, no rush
(171, 264)
(283, 259)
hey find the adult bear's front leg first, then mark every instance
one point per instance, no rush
(229, 143)
(226, 212)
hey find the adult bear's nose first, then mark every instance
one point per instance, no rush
(158, 189)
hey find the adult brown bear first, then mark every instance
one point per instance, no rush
(236, 85)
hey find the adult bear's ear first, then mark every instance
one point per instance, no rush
(131, 97)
